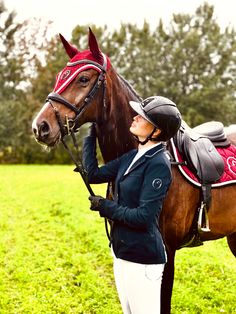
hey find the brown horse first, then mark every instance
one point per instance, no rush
(90, 90)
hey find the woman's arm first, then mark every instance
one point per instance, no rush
(157, 179)
(97, 174)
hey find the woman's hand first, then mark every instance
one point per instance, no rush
(95, 202)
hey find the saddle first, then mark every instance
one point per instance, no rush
(197, 147)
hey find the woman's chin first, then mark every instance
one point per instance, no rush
(132, 130)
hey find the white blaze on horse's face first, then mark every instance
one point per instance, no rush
(75, 88)
(45, 127)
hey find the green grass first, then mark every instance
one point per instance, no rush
(54, 254)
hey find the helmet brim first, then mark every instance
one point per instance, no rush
(137, 107)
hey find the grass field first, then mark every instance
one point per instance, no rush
(54, 254)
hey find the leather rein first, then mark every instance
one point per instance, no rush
(70, 126)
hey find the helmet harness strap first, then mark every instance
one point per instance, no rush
(149, 138)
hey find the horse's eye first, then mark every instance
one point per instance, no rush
(83, 80)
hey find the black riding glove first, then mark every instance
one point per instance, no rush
(96, 202)
(92, 130)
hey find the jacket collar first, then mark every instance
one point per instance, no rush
(155, 150)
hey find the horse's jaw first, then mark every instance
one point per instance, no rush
(49, 142)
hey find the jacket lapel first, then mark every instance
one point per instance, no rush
(150, 153)
(139, 162)
(126, 163)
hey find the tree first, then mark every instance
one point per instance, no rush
(200, 66)
(192, 62)
(18, 58)
(11, 74)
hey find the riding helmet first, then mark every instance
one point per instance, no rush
(162, 113)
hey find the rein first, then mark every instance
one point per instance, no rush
(70, 126)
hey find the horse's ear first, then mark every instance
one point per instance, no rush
(93, 46)
(70, 50)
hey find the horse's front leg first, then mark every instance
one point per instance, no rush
(167, 283)
(231, 239)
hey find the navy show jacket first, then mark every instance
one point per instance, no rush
(137, 204)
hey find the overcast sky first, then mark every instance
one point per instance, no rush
(69, 13)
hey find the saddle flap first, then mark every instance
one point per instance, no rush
(211, 165)
(200, 155)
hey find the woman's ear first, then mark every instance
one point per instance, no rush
(157, 133)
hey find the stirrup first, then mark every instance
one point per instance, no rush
(203, 221)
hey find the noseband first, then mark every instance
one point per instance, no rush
(70, 125)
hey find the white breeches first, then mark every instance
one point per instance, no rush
(138, 286)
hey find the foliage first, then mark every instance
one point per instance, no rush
(54, 254)
(18, 58)
(200, 66)
(10, 66)
(11, 74)
(191, 61)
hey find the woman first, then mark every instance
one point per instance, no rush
(142, 178)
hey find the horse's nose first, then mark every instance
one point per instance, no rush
(41, 131)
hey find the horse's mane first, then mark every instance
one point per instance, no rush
(129, 86)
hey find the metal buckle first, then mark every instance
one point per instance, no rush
(69, 125)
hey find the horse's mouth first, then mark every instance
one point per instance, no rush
(51, 142)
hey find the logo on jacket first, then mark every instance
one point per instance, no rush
(157, 183)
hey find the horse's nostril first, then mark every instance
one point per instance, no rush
(44, 130)
(35, 132)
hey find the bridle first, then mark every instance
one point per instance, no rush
(70, 127)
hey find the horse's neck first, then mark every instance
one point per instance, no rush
(114, 136)
(114, 141)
